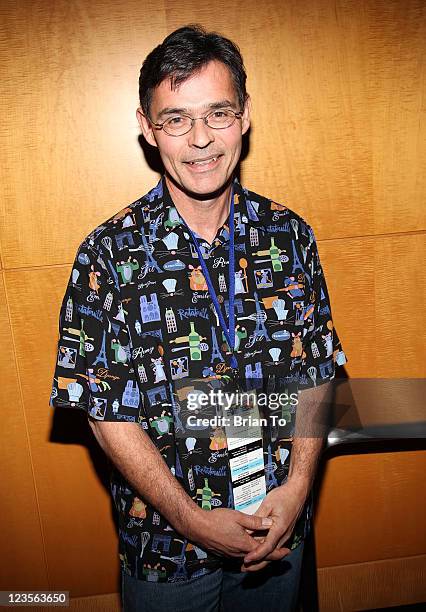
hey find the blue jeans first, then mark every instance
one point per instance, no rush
(272, 589)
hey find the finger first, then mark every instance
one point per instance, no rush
(263, 510)
(265, 548)
(254, 567)
(260, 532)
(251, 521)
(277, 554)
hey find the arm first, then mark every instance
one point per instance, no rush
(312, 416)
(285, 503)
(140, 462)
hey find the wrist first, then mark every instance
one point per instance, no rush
(195, 523)
(300, 484)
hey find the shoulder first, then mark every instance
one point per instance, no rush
(273, 213)
(123, 227)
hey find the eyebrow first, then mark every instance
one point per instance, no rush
(168, 110)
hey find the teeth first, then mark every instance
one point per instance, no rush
(204, 162)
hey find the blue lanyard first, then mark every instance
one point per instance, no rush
(229, 330)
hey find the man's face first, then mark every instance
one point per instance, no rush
(201, 161)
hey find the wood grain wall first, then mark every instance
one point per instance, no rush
(338, 134)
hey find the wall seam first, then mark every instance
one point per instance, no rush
(372, 562)
(319, 241)
(383, 235)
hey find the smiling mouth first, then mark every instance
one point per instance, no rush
(203, 162)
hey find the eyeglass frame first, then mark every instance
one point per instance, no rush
(160, 126)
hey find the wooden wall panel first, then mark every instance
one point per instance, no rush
(99, 603)
(70, 92)
(337, 89)
(372, 586)
(74, 506)
(382, 327)
(23, 564)
(338, 93)
(370, 507)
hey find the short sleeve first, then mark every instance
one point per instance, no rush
(94, 370)
(321, 347)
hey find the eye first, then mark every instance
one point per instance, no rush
(219, 114)
(175, 120)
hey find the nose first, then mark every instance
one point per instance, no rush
(201, 135)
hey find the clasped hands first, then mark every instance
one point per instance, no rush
(258, 538)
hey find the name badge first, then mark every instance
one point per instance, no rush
(245, 453)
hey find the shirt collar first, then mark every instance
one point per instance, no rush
(164, 216)
(249, 209)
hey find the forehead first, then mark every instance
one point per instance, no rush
(213, 83)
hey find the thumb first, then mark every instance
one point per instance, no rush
(253, 522)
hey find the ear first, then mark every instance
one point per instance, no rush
(245, 119)
(146, 127)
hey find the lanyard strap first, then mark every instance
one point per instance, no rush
(228, 330)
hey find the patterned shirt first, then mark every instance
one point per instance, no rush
(137, 330)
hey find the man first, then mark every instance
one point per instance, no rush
(201, 284)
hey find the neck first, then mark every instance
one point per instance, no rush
(203, 216)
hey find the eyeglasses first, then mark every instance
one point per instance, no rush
(182, 124)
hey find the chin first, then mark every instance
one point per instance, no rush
(206, 187)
